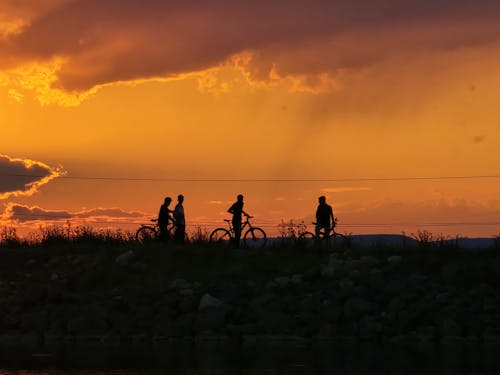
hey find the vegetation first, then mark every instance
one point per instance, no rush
(78, 282)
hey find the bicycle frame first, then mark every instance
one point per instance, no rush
(243, 225)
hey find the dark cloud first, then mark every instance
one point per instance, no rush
(23, 176)
(22, 214)
(106, 41)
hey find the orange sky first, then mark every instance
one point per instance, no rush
(338, 91)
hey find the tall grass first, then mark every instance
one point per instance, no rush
(64, 234)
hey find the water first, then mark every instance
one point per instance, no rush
(208, 358)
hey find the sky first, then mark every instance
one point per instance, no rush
(389, 108)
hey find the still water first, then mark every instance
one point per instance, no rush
(209, 358)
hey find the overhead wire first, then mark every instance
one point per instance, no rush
(264, 179)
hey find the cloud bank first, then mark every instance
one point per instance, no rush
(88, 43)
(24, 177)
(24, 214)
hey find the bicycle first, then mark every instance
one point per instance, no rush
(151, 232)
(332, 238)
(254, 237)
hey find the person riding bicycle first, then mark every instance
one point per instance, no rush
(324, 217)
(237, 211)
(164, 218)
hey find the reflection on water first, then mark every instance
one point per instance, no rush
(249, 359)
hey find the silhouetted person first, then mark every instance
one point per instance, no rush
(324, 217)
(237, 211)
(164, 218)
(180, 221)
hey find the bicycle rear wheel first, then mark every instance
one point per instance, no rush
(220, 236)
(146, 234)
(338, 240)
(255, 238)
(306, 240)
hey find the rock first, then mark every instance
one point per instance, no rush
(179, 284)
(186, 292)
(396, 304)
(31, 262)
(450, 327)
(355, 275)
(369, 261)
(163, 327)
(183, 326)
(328, 271)
(86, 325)
(212, 318)
(369, 327)
(296, 279)
(275, 322)
(282, 282)
(395, 260)
(207, 301)
(187, 305)
(126, 258)
(355, 307)
(346, 287)
(443, 299)
(427, 333)
(34, 322)
(451, 273)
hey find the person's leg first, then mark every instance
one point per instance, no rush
(182, 235)
(237, 233)
(318, 230)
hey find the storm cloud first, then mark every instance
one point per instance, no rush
(104, 41)
(23, 177)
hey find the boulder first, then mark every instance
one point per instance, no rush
(208, 301)
(126, 258)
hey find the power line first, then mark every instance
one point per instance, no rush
(257, 180)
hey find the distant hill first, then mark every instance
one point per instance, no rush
(399, 240)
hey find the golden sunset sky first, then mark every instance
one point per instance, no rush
(108, 106)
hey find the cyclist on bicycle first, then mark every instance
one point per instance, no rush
(324, 217)
(237, 210)
(164, 218)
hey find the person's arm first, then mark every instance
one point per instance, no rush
(231, 210)
(244, 213)
(332, 217)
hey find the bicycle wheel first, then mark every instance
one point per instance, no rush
(306, 240)
(255, 238)
(220, 236)
(339, 240)
(146, 234)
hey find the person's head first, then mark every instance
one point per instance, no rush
(180, 198)
(168, 200)
(322, 199)
(240, 197)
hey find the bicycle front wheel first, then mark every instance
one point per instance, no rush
(306, 240)
(255, 238)
(146, 234)
(220, 236)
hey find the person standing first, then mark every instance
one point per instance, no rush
(237, 211)
(164, 218)
(324, 217)
(180, 221)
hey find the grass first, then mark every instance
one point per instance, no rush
(199, 260)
